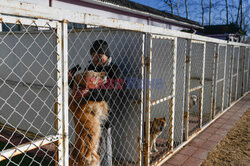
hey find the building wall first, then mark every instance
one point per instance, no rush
(100, 12)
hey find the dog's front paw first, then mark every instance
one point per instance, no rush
(155, 150)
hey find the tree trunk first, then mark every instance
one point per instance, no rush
(227, 11)
(186, 5)
(238, 14)
(202, 7)
(170, 4)
(172, 10)
(241, 20)
(210, 8)
(177, 7)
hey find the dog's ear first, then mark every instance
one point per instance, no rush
(75, 82)
(79, 79)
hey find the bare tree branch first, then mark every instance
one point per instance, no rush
(186, 5)
(227, 11)
(203, 12)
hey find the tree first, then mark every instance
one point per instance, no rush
(170, 4)
(177, 7)
(241, 20)
(203, 12)
(227, 11)
(210, 11)
(186, 6)
(238, 14)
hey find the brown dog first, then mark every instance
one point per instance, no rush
(88, 117)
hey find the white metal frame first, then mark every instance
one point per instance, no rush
(222, 79)
(41, 16)
(189, 90)
(62, 115)
(171, 97)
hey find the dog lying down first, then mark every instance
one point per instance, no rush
(88, 117)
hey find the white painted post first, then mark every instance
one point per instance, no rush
(172, 111)
(202, 84)
(65, 95)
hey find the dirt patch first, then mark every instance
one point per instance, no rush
(234, 149)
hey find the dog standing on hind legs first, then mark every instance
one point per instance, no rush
(88, 117)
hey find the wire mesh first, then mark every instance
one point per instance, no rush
(233, 97)
(180, 89)
(235, 74)
(119, 135)
(196, 76)
(246, 66)
(159, 131)
(220, 79)
(208, 81)
(240, 72)
(221, 63)
(227, 77)
(161, 116)
(196, 70)
(194, 112)
(29, 91)
(219, 95)
(236, 60)
(162, 68)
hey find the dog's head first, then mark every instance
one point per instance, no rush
(194, 100)
(160, 123)
(88, 80)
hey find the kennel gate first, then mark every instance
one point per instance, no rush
(32, 84)
(219, 83)
(161, 73)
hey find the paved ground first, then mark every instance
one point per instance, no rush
(197, 150)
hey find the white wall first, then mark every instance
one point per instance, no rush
(99, 12)
(28, 79)
(39, 2)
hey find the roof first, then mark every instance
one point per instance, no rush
(223, 29)
(147, 9)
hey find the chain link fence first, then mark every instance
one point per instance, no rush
(86, 94)
(30, 92)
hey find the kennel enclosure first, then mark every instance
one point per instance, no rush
(162, 68)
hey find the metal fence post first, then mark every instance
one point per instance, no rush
(203, 84)
(65, 94)
(62, 81)
(147, 62)
(172, 101)
(59, 111)
(141, 140)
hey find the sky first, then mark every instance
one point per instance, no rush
(152, 3)
(194, 6)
